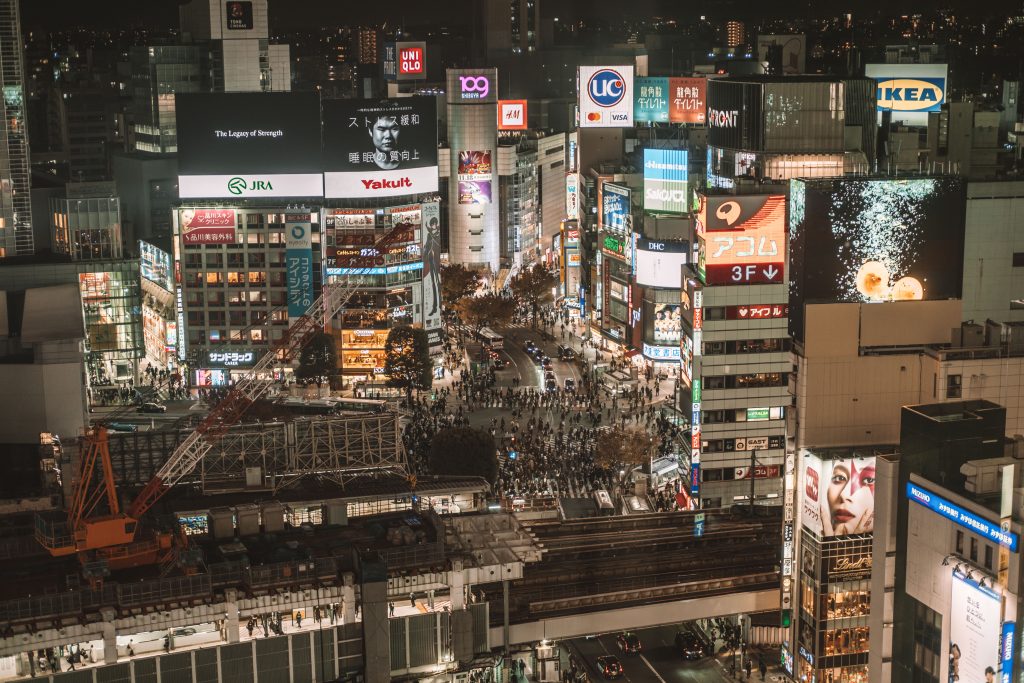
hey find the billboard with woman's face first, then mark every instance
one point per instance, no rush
(838, 495)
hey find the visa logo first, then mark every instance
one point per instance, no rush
(911, 94)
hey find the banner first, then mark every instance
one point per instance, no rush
(431, 266)
(299, 258)
(207, 226)
(974, 628)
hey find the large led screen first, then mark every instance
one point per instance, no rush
(837, 495)
(870, 240)
(666, 174)
(241, 145)
(616, 206)
(380, 148)
(973, 631)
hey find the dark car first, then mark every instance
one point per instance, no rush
(551, 385)
(570, 384)
(529, 346)
(546, 362)
(629, 643)
(689, 645)
(565, 352)
(609, 666)
(151, 407)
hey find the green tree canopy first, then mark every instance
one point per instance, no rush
(318, 360)
(464, 452)
(407, 361)
(533, 288)
(457, 283)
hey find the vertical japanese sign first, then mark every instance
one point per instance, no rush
(299, 258)
(432, 267)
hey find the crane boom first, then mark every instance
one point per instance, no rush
(250, 388)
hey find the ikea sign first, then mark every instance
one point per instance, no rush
(911, 94)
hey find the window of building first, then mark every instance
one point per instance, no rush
(1018, 259)
(988, 556)
(953, 386)
(959, 542)
(927, 644)
(215, 260)
(974, 550)
(257, 335)
(214, 278)
(236, 278)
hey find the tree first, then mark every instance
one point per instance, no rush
(488, 310)
(457, 283)
(533, 287)
(407, 361)
(464, 452)
(318, 361)
(623, 449)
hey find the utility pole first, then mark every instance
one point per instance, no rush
(753, 465)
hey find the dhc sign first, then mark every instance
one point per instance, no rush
(911, 94)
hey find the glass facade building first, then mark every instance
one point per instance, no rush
(157, 73)
(15, 201)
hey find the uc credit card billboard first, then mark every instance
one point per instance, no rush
(606, 96)
(909, 91)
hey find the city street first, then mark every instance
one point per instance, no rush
(660, 661)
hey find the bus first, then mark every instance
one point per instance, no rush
(490, 338)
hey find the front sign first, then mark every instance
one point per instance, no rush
(968, 520)
(743, 239)
(230, 359)
(606, 96)
(512, 115)
(299, 261)
(207, 226)
(661, 353)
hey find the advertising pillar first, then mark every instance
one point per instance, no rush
(431, 281)
(299, 257)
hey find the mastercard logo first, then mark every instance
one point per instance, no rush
(594, 116)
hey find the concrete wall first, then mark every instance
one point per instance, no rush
(994, 232)
(48, 398)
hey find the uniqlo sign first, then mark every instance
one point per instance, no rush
(410, 61)
(511, 114)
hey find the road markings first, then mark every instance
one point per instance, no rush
(653, 670)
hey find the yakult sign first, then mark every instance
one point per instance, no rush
(606, 96)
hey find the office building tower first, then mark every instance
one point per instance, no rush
(15, 200)
(735, 33)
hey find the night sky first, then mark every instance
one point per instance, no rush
(289, 14)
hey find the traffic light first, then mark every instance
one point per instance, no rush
(787, 618)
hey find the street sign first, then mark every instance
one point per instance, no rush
(698, 524)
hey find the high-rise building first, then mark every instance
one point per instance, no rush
(366, 49)
(15, 199)
(509, 25)
(158, 73)
(735, 33)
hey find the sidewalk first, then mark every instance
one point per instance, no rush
(771, 656)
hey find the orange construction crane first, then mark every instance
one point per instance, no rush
(98, 529)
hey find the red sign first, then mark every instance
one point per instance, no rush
(743, 239)
(410, 61)
(743, 273)
(757, 312)
(511, 114)
(760, 472)
(207, 226)
(687, 100)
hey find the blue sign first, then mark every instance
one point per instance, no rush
(606, 87)
(650, 100)
(299, 260)
(615, 207)
(968, 520)
(694, 478)
(666, 178)
(377, 270)
(1006, 652)
(698, 524)
(908, 93)
(661, 352)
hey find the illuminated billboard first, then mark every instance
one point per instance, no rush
(512, 115)
(405, 61)
(667, 325)
(155, 265)
(666, 175)
(974, 629)
(650, 103)
(380, 148)
(207, 226)
(475, 177)
(658, 263)
(238, 15)
(837, 495)
(909, 91)
(572, 196)
(616, 206)
(742, 239)
(876, 240)
(299, 261)
(606, 96)
(248, 145)
(687, 100)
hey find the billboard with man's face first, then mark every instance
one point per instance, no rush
(380, 148)
(244, 145)
(837, 495)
